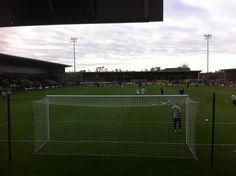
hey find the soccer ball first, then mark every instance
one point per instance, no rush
(206, 120)
(165, 102)
(153, 104)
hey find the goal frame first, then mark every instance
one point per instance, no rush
(187, 113)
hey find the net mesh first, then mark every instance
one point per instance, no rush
(114, 126)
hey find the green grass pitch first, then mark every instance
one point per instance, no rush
(117, 131)
(26, 164)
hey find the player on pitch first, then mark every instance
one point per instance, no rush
(176, 116)
(233, 98)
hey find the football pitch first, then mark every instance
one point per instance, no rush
(24, 162)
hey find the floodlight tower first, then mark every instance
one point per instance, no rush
(74, 40)
(207, 37)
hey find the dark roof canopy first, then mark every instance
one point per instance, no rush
(21, 61)
(49, 12)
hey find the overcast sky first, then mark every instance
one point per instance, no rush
(178, 40)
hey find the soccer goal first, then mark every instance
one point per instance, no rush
(114, 125)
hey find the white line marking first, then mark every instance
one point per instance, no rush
(218, 123)
(124, 142)
(137, 121)
(199, 123)
(202, 144)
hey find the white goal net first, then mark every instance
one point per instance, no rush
(115, 125)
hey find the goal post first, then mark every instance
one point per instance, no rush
(114, 125)
(41, 123)
(192, 107)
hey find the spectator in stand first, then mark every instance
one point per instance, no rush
(4, 94)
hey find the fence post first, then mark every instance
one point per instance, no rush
(213, 130)
(9, 125)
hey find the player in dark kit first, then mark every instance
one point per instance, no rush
(162, 90)
(181, 91)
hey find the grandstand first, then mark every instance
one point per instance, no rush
(230, 74)
(149, 76)
(19, 72)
